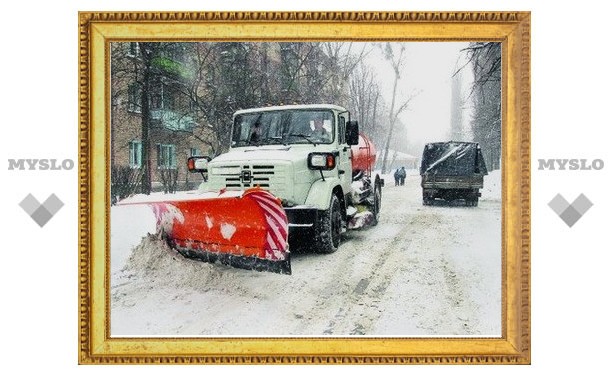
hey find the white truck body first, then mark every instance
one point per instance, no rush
(313, 176)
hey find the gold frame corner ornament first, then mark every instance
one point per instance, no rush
(512, 29)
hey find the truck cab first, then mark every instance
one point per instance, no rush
(301, 154)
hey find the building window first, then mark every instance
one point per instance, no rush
(162, 97)
(135, 154)
(134, 98)
(194, 152)
(166, 156)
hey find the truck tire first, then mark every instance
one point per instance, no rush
(377, 201)
(472, 199)
(427, 200)
(329, 228)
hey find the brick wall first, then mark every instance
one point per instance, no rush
(126, 127)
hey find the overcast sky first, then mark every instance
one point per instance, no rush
(427, 72)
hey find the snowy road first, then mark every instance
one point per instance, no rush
(423, 271)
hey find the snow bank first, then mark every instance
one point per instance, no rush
(178, 196)
(128, 225)
(154, 258)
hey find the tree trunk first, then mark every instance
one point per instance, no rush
(146, 121)
(391, 124)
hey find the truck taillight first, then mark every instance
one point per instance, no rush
(321, 161)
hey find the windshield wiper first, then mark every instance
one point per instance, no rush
(305, 137)
(277, 139)
(267, 141)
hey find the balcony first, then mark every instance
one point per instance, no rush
(171, 120)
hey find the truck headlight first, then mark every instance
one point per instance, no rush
(321, 161)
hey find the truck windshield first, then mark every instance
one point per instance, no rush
(283, 127)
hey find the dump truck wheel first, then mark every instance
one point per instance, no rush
(329, 227)
(471, 199)
(427, 200)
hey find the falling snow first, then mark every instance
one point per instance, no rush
(422, 271)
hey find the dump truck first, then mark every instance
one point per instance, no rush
(290, 170)
(452, 170)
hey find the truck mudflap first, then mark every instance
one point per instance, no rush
(244, 229)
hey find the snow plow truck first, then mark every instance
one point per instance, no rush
(292, 169)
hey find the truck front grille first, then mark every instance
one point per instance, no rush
(252, 176)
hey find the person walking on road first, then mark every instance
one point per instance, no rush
(402, 176)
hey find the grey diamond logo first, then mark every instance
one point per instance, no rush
(41, 213)
(570, 213)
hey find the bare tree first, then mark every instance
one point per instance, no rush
(396, 58)
(133, 70)
(341, 63)
(485, 59)
(122, 74)
(149, 107)
(294, 58)
(365, 100)
(148, 51)
(221, 77)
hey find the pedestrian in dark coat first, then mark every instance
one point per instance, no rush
(402, 175)
(396, 176)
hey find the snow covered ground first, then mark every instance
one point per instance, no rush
(422, 272)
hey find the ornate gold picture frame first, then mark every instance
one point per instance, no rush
(98, 29)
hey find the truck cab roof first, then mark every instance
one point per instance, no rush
(292, 107)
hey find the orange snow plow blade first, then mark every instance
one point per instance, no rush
(246, 230)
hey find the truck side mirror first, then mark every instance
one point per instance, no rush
(198, 164)
(352, 133)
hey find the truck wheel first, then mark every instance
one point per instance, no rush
(427, 200)
(328, 228)
(471, 201)
(377, 200)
